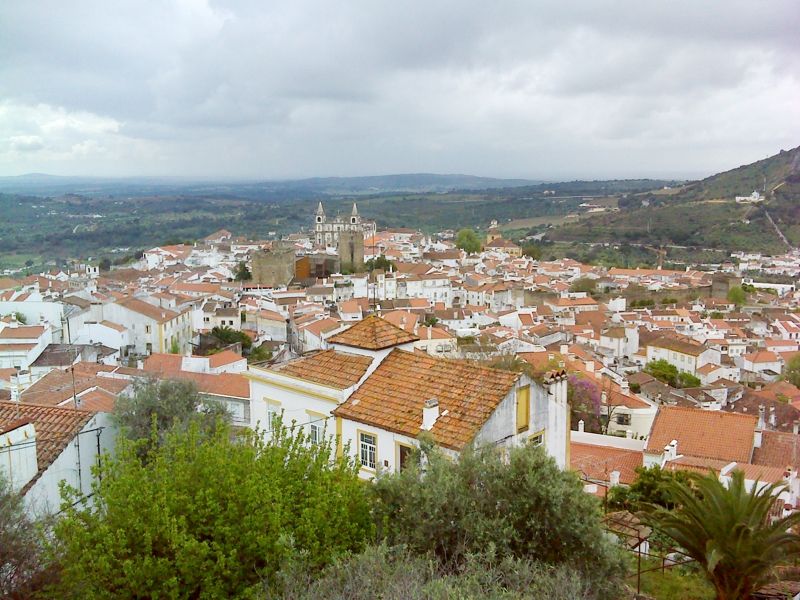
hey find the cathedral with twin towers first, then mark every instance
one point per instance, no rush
(327, 230)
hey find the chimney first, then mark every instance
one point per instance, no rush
(796, 427)
(629, 434)
(761, 422)
(430, 332)
(589, 366)
(613, 478)
(564, 349)
(624, 387)
(430, 413)
(671, 451)
(773, 420)
(581, 425)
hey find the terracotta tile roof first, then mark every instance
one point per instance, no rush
(678, 345)
(225, 357)
(115, 326)
(233, 385)
(393, 396)
(373, 333)
(22, 333)
(403, 319)
(163, 363)
(597, 462)
(696, 465)
(703, 433)
(318, 327)
(97, 400)
(778, 449)
(761, 472)
(55, 428)
(331, 368)
(57, 386)
(270, 315)
(762, 356)
(784, 413)
(16, 347)
(160, 315)
(500, 243)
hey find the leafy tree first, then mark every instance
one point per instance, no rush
(585, 400)
(259, 354)
(717, 315)
(737, 295)
(175, 347)
(156, 407)
(686, 379)
(22, 566)
(518, 505)
(649, 488)
(226, 335)
(468, 241)
(792, 373)
(242, 273)
(430, 321)
(381, 262)
(663, 371)
(105, 264)
(584, 284)
(20, 318)
(532, 250)
(729, 531)
(211, 517)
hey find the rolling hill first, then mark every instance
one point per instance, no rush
(704, 214)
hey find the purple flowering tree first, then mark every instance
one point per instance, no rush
(585, 398)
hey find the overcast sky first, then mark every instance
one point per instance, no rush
(258, 88)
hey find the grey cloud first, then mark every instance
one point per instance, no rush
(307, 87)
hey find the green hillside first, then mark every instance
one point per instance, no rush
(704, 213)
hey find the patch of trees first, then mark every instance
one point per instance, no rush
(468, 241)
(669, 374)
(381, 262)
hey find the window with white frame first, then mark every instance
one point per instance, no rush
(536, 440)
(273, 412)
(315, 431)
(368, 449)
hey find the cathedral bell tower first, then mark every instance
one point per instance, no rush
(321, 213)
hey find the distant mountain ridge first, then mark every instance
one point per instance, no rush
(762, 176)
(45, 184)
(704, 214)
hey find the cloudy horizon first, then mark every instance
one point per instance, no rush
(240, 89)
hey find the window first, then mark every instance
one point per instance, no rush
(523, 408)
(536, 440)
(624, 419)
(368, 450)
(403, 456)
(315, 432)
(147, 328)
(273, 412)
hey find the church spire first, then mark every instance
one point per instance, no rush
(355, 210)
(320, 210)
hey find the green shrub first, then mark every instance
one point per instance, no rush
(522, 506)
(210, 517)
